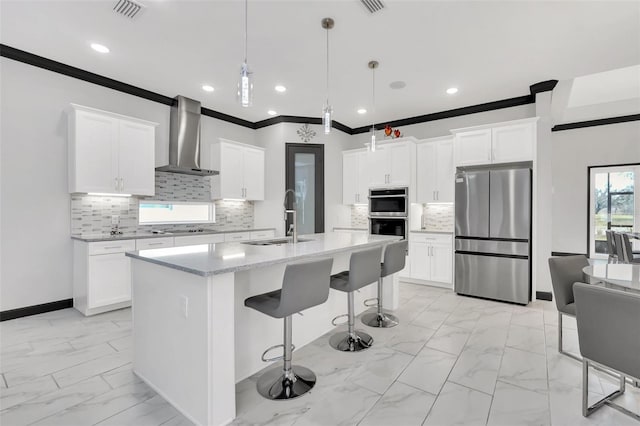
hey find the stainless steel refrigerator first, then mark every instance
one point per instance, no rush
(493, 233)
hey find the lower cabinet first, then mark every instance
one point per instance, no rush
(430, 258)
(101, 276)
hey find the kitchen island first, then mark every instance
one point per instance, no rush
(193, 337)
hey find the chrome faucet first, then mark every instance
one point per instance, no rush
(293, 228)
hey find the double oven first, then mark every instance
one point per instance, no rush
(389, 211)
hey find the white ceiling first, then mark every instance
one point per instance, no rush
(489, 50)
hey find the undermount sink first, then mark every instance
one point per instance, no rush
(276, 242)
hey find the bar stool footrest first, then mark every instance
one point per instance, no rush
(278, 358)
(333, 321)
(368, 303)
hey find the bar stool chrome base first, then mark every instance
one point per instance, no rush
(375, 319)
(276, 384)
(345, 342)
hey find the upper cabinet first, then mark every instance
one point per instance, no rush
(497, 143)
(110, 153)
(435, 171)
(355, 177)
(241, 169)
(392, 164)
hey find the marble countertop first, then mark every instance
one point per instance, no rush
(427, 231)
(92, 238)
(213, 259)
(344, 228)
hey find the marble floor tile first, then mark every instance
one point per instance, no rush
(463, 318)
(477, 370)
(447, 302)
(88, 369)
(526, 338)
(458, 405)
(495, 318)
(514, 406)
(178, 420)
(524, 369)
(26, 391)
(431, 318)
(120, 376)
(154, 411)
(429, 370)
(528, 318)
(400, 405)
(567, 372)
(53, 402)
(488, 339)
(380, 369)
(449, 339)
(409, 338)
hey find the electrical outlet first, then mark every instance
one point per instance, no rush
(115, 219)
(184, 306)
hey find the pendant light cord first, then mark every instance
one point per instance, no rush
(373, 91)
(327, 66)
(246, 14)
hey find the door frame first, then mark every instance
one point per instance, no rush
(291, 149)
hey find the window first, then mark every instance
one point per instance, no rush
(613, 204)
(161, 212)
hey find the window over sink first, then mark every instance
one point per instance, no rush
(152, 212)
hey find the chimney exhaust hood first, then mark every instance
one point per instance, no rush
(184, 139)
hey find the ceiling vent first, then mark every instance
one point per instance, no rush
(373, 5)
(128, 8)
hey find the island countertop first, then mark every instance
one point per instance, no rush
(221, 258)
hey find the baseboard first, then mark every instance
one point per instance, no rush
(35, 309)
(544, 295)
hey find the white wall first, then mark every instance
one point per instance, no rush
(35, 264)
(573, 152)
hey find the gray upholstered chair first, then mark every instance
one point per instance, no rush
(611, 247)
(627, 249)
(305, 284)
(364, 269)
(565, 271)
(617, 238)
(395, 255)
(609, 335)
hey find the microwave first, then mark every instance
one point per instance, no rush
(389, 202)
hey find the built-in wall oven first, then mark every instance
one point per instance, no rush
(388, 211)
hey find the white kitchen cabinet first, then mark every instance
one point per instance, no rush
(110, 153)
(154, 243)
(496, 143)
(355, 177)
(392, 164)
(241, 171)
(188, 240)
(430, 258)
(435, 171)
(101, 276)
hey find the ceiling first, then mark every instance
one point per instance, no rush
(489, 50)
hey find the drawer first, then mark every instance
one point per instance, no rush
(189, 240)
(151, 243)
(237, 236)
(258, 235)
(420, 237)
(107, 247)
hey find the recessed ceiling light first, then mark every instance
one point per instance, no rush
(362, 111)
(452, 90)
(397, 84)
(271, 112)
(208, 88)
(99, 48)
(280, 88)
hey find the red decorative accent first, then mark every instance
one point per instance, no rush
(391, 132)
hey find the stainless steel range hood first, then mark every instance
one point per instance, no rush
(184, 139)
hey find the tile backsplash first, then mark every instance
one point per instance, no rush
(91, 214)
(360, 216)
(438, 217)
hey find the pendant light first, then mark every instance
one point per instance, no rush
(373, 65)
(327, 111)
(245, 85)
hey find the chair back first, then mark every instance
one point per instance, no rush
(395, 256)
(611, 246)
(364, 268)
(609, 327)
(617, 237)
(627, 248)
(565, 271)
(305, 284)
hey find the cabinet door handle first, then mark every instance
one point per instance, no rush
(116, 183)
(437, 195)
(121, 184)
(155, 244)
(112, 247)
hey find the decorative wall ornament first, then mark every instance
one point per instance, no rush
(306, 133)
(391, 132)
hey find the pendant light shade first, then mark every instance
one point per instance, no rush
(372, 66)
(327, 111)
(245, 84)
